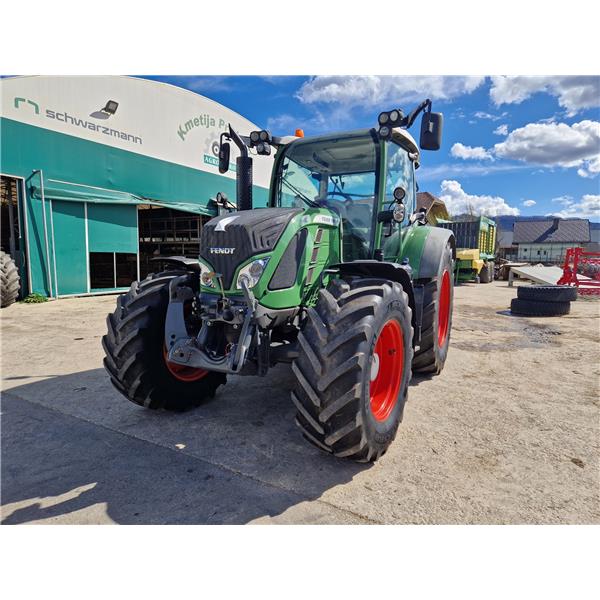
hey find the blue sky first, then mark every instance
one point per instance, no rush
(512, 145)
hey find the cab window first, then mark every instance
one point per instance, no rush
(400, 173)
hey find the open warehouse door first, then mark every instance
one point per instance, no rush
(100, 241)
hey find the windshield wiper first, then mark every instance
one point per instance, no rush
(300, 194)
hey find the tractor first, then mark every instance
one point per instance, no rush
(338, 276)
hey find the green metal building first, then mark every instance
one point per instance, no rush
(100, 174)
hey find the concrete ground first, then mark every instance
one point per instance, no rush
(508, 433)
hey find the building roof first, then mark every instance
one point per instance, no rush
(548, 231)
(505, 238)
(434, 207)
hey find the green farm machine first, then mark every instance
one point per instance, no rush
(338, 277)
(475, 248)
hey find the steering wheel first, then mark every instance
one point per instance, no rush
(338, 206)
(348, 197)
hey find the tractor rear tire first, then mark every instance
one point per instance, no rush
(535, 308)
(354, 368)
(10, 281)
(547, 293)
(436, 323)
(135, 351)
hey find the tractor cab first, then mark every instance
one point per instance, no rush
(354, 175)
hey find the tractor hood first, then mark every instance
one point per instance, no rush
(229, 240)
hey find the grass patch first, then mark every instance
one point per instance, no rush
(34, 299)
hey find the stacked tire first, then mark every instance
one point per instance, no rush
(543, 300)
(9, 280)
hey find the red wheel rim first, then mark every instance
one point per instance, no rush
(182, 372)
(387, 367)
(444, 309)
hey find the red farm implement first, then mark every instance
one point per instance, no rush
(582, 269)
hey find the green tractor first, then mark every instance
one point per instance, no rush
(337, 277)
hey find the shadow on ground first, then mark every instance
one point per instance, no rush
(74, 451)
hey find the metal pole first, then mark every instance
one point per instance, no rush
(45, 231)
(53, 249)
(87, 249)
(26, 226)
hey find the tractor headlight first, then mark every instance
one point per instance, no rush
(207, 275)
(250, 274)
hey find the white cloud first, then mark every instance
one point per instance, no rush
(591, 169)
(588, 206)
(529, 203)
(555, 144)
(501, 130)
(459, 150)
(459, 202)
(450, 170)
(485, 115)
(281, 123)
(564, 200)
(574, 92)
(374, 90)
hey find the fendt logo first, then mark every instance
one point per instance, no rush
(110, 108)
(222, 250)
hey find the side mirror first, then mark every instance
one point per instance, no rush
(224, 153)
(386, 217)
(431, 131)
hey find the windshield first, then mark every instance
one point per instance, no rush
(338, 174)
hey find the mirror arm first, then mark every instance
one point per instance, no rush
(237, 140)
(410, 118)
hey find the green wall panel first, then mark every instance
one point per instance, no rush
(69, 239)
(112, 228)
(24, 148)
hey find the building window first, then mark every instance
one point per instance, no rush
(109, 270)
(126, 268)
(539, 252)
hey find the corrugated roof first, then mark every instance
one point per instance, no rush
(551, 231)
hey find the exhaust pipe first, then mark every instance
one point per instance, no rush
(243, 177)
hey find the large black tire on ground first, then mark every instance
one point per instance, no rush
(134, 347)
(535, 308)
(433, 349)
(335, 376)
(9, 280)
(486, 275)
(547, 293)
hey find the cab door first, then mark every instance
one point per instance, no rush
(399, 172)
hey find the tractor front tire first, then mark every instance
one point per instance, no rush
(9, 280)
(436, 323)
(135, 351)
(353, 370)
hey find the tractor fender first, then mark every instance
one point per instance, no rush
(188, 264)
(382, 270)
(433, 246)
